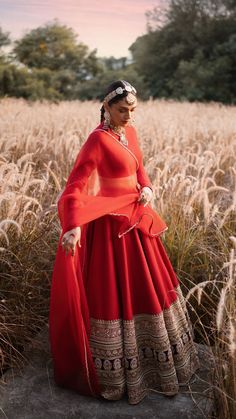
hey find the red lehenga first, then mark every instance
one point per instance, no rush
(118, 321)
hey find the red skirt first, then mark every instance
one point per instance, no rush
(139, 336)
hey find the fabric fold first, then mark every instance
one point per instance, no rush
(70, 327)
(105, 179)
(85, 208)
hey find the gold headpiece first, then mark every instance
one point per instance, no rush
(119, 90)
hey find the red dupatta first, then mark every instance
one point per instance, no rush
(106, 179)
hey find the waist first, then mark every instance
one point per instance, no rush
(118, 185)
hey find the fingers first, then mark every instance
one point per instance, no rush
(145, 196)
(66, 247)
(68, 243)
(69, 247)
(142, 199)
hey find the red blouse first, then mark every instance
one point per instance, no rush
(106, 179)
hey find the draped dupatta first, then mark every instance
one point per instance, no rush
(106, 179)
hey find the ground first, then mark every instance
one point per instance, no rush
(32, 394)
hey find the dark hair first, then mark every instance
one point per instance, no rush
(117, 98)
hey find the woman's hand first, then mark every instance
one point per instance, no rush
(145, 195)
(69, 240)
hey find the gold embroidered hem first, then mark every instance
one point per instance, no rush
(149, 352)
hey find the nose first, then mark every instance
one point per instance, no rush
(128, 115)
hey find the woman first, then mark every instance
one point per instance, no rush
(118, 320)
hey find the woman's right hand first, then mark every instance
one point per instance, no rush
(145, 195)
(69, 240)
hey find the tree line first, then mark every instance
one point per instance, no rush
(187, 53)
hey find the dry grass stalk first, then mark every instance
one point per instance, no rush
(189, 153)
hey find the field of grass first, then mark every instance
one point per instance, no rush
(190, 155)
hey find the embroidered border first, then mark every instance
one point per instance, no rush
(151, 351)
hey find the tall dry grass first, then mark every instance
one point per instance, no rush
(189, 152)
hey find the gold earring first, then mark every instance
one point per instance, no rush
(107, 120)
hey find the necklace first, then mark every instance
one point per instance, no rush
(121, 132)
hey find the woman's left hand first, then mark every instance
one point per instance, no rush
(70, 239)
(145, 195)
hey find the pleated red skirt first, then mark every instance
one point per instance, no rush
(128, 275)
(141, 336)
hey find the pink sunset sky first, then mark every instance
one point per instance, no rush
(111, 26)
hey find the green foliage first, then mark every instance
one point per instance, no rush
(54, 46)
(94, 88)
(188, 53)
(192, 56)
(52, 64)
(4, 40)
(33, 85)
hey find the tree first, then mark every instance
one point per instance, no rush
(54, 46)
(112, 63)
(192, 55)
(95, 88)
(4, 38)
(4, 41)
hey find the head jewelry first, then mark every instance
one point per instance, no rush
(119, 91)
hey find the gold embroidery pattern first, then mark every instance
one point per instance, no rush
(151, 351)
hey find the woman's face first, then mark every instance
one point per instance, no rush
(121, 112)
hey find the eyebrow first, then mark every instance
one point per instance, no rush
(125, 107)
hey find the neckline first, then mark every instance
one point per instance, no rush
(111, 130)
(100, 128)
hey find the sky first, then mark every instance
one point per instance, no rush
(110, 26)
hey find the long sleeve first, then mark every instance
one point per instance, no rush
(75, 193)
(142, 176)
(85, 163)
